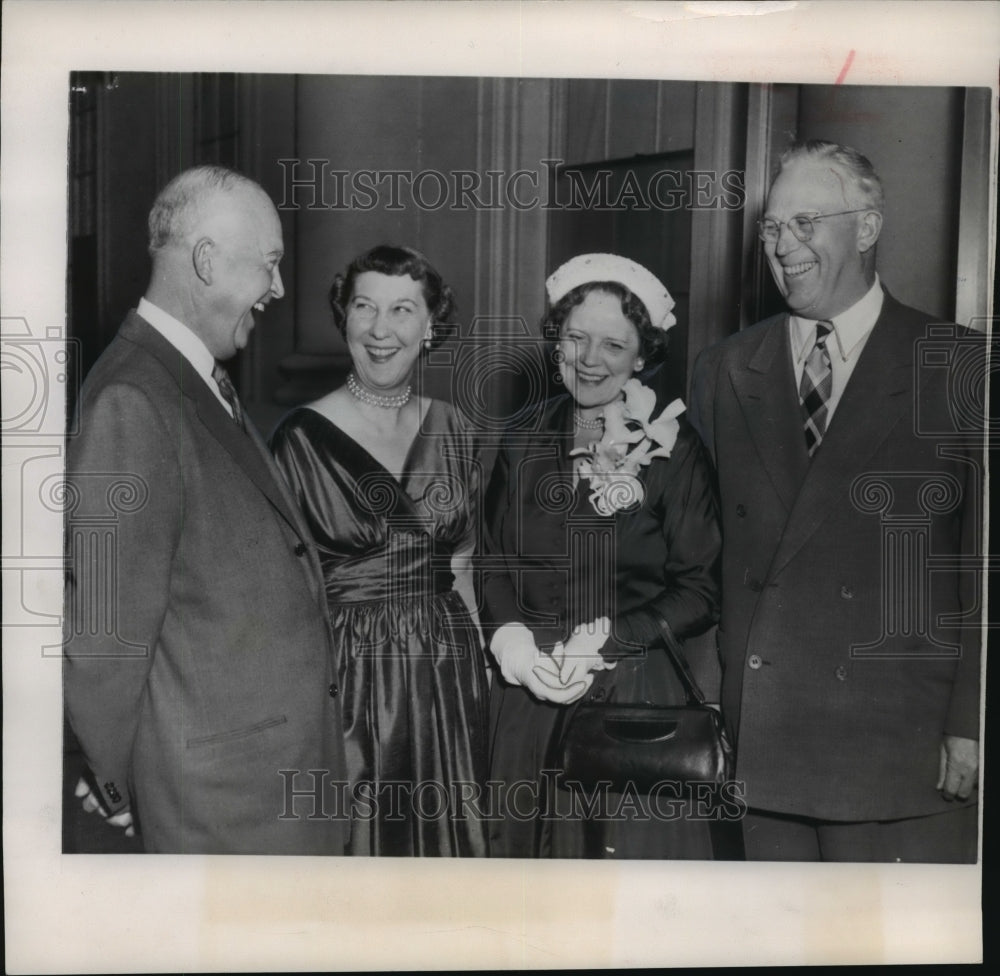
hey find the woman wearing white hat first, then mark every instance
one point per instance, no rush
(601, 531)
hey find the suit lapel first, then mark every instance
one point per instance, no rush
(874, 401)
(246, 449)
(288, 506)
(765, 391)
(252, 454)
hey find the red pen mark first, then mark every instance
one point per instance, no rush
(846, 68)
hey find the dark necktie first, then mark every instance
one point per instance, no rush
(228, 391)
(815, 388)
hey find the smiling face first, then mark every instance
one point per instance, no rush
(599, 347)
(828, 274)
(387, 320)
(244, 249)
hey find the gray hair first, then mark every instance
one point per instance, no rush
(856, 165)
(177, 204)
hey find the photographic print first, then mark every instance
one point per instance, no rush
(518, 465)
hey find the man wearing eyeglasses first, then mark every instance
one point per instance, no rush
(850, 682)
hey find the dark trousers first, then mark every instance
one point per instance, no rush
(942, 838)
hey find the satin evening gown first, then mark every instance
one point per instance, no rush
(412, 676)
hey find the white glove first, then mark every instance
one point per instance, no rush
(521, 663)
(91, 804)
(580, 655)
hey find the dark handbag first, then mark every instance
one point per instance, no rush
(610, 746)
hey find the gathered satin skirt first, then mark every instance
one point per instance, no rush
(414, 698)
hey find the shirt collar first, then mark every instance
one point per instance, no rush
(850, 327)
(180, 337)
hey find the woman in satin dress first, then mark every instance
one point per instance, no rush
(388, 482)
(579, 582)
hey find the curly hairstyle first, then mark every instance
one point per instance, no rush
(389, 259)
(652, 342)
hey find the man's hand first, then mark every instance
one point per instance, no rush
(91, 804)
(958, 773)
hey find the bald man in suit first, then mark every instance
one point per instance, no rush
(206, 707)
(851, 688)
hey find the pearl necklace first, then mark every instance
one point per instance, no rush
(394, 402)
(584, 424)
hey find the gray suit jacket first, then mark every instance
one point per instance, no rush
(849, 637)
(198, 667)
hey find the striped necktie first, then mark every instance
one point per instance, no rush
(815, 388)
(228, 391)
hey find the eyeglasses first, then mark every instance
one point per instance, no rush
(801, 225)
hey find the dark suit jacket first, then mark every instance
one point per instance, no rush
(844, 648)
(198, 661)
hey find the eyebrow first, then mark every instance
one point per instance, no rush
(813, 212)
(392, 301)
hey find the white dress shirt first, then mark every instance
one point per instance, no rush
(850, 333)
(186, 343)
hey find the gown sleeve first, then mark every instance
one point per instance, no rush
(469, 466)
(288, 445)
(468, 543)
(499, 597)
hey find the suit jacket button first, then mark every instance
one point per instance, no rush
(841, 672)
(741, 511)
(300, 549)
(754, 661)
(846, 592)
(598, 695)
(334, 690)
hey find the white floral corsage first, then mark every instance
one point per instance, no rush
(631, 440)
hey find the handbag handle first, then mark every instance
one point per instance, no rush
(680, 663)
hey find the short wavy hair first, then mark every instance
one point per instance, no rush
(865, 181)
(176, 206)
(652, 341)
(391, 259)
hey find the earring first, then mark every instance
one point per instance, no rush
(427, 342)
(639, 363)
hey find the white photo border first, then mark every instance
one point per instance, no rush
(86, 913)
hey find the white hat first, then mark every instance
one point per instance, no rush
(585, 268)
